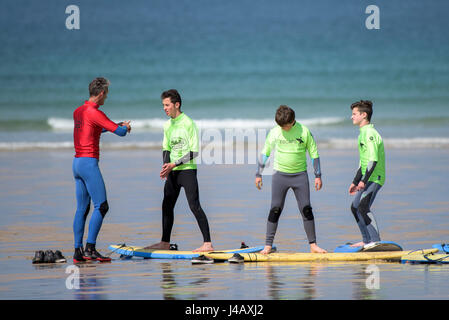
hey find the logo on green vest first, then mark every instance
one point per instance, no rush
(178, 143)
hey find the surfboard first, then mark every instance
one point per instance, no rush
(371, 247)
(317, 257)
(135, 251)
(430, 258)
(442, 247)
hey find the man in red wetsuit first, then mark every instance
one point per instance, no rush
(89, 124)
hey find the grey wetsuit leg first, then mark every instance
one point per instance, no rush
(280, 184)
(365, 218)
(278, 192)
(301, 189)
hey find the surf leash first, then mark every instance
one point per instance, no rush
(426, 256)
(120, 245)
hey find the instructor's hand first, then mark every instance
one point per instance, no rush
(318, 184)
(166, 168)
(259, 183)
(126, 124)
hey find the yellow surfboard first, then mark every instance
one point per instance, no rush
(432, 258)
(317, 257)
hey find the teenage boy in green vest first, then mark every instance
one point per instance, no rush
(370, 176)
(291, 141)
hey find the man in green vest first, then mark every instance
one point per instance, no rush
(180, 147)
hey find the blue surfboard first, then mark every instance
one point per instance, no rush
(134, 251)
(371, 247)
(347, 248)
(442, 247)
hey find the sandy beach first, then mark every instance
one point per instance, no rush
(39, 204)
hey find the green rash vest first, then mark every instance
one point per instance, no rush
(371, 148)
(180, 138)
(290, 148)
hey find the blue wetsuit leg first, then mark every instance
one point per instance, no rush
(89, 185)
(82, 210)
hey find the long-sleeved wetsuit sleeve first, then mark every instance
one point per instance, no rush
(265, 154)
(166, 156)
(120, 131)
(261, 161)
(101, 120)
(358, 176)
(269, 144)
(316, 167)
(369, 170)
(186, 158)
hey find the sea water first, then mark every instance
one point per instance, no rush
(234, 63)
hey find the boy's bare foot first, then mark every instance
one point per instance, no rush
(266, 250)
(159, 246)
(358, 244)
(315, 249)
(206, 247)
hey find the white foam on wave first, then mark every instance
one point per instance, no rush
(225, 123)
(406, 143)
(24, 146)
(17, 146)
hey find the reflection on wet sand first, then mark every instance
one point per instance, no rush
(90, 285)
(279, 289)
(196, 287)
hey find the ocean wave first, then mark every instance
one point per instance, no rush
(406, 143)
(25, 146)
(225, 123)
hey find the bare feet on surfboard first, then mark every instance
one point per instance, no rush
(206, 247)
(358, 244)
(266, 250)
(159, 246)
(315, 249)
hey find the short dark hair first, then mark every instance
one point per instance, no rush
(174, 96)
(364, 106)
(284, 115)
(97, 86)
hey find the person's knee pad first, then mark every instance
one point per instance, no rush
(307, 212)
(274, 215)
(104, 207)
(354, 212)
(364, 209)
(86, 213)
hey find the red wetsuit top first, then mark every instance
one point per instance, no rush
(89, 123)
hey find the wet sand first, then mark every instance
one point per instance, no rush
(38, 200)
